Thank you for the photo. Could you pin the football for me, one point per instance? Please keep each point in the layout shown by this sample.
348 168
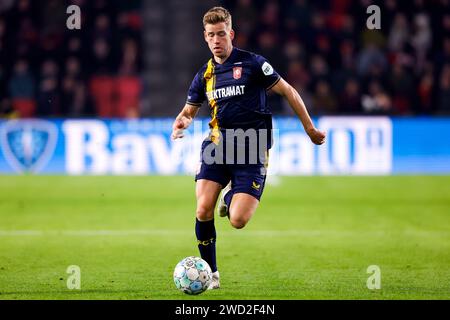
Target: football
192 275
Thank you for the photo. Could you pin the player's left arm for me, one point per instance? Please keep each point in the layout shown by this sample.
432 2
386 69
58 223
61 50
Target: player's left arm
295 101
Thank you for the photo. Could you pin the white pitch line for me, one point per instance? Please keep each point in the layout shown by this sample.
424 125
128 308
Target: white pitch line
260 233
83 233
153 232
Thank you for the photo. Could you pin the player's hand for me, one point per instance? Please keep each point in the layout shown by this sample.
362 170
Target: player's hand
316 136
178 128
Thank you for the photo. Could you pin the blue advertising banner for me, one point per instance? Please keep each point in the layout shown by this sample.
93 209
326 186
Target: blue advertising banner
354 146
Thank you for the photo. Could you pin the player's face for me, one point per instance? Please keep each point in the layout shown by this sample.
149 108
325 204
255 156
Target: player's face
219 37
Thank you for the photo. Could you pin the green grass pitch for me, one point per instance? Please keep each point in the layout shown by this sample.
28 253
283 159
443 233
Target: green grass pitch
311 238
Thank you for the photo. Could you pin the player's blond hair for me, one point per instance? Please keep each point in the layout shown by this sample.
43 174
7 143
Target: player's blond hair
217 15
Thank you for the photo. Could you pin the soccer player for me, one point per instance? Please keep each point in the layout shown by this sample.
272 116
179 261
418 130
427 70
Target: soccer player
235 83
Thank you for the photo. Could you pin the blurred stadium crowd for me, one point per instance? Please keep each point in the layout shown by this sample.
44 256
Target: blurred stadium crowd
323 48
339 66
48 70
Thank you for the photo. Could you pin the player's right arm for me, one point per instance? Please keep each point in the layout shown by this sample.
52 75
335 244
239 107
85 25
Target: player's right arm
183 120
195 98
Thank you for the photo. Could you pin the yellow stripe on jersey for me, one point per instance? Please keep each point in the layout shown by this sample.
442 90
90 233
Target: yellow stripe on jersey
210 79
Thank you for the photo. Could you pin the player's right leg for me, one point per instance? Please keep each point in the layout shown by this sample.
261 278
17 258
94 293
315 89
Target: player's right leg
207 192
210 178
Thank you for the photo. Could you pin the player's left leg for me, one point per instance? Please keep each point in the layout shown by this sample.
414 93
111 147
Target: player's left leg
241 198
242 208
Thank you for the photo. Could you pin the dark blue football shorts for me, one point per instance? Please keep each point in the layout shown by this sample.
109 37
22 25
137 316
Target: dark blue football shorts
245 178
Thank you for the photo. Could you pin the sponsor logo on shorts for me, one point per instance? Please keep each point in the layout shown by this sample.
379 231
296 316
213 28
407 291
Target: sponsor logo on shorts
256 186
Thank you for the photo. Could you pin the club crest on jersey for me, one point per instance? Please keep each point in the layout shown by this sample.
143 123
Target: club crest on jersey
28 144
237 72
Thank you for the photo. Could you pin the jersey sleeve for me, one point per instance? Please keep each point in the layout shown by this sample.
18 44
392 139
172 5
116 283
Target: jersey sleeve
196 93
266 74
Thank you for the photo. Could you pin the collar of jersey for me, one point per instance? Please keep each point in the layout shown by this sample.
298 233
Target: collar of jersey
230 59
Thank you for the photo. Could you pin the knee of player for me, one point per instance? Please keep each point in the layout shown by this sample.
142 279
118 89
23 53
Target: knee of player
204 213
238 223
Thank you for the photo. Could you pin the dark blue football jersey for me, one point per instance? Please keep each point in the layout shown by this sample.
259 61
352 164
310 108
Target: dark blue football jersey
235 91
